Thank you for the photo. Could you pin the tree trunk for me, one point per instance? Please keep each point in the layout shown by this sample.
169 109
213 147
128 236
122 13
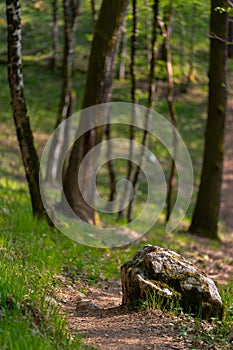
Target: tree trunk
165 29
182 35
19 108
206 213
110 165
123 53
136 176
98 90
93 12
71 10
54 35
230 37
133 100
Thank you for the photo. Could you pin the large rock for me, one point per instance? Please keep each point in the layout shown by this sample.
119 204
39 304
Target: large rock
165 275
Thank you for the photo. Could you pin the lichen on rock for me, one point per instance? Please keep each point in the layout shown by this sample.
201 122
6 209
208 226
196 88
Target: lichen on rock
164 273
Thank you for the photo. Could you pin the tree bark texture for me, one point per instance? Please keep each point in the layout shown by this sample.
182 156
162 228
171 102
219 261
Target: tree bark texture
19 108
136 175
71 9
97 90
206 213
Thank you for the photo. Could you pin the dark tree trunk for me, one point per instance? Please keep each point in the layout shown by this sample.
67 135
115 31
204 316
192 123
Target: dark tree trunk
71 10
121 212
19 108
230 37
54 34
181 49
110 165
136 176
98 90
165 29
93 12
206 213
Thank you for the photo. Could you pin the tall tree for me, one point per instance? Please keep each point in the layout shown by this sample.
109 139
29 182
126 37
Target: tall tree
54 34
166 32
97 90
133 100
206 213
137 173
19 108
71 10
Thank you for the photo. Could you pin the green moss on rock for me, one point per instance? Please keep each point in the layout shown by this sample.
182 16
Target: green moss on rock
164 273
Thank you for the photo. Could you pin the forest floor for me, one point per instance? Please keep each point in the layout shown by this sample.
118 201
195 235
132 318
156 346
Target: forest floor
107 325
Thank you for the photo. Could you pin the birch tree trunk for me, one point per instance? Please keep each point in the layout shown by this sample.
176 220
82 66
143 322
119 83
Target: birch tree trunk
19 108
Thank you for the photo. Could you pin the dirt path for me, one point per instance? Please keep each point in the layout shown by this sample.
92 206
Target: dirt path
106 325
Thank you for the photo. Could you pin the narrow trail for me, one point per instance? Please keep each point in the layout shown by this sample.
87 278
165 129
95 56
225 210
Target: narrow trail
106 325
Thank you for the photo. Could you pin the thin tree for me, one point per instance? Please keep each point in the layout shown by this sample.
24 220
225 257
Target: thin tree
123 52
136 175
19 108
166 32
71 9
98 90
93 12
230 36
133 100
206 212
110 164
54 34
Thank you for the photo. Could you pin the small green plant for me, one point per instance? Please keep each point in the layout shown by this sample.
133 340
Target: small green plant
215 331
157 301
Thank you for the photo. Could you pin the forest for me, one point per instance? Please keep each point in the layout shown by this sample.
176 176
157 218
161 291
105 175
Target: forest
116 134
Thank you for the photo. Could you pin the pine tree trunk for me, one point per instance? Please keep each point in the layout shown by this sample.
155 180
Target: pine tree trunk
98 90
206 213
19 108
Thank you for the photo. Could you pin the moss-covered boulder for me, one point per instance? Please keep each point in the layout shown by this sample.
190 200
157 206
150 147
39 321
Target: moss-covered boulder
166 276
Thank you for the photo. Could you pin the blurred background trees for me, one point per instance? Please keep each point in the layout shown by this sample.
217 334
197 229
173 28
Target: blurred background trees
159 47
